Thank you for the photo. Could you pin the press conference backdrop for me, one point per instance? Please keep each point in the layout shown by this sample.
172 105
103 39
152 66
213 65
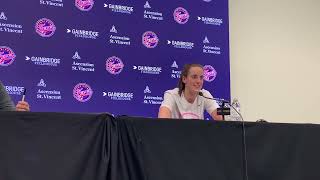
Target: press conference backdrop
114 56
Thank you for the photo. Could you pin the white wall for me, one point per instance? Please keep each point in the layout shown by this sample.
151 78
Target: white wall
275 59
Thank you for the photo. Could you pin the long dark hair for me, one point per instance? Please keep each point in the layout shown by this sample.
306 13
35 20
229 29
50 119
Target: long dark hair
185 73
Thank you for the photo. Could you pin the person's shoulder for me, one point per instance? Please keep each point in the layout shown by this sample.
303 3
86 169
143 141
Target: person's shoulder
173 92
205 92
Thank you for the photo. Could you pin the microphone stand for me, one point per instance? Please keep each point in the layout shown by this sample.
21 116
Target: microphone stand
244 144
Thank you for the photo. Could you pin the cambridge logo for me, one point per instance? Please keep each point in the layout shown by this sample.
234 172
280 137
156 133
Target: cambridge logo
181 15
114 65
150 39
209 73
84 5
82 92
7 56
45 27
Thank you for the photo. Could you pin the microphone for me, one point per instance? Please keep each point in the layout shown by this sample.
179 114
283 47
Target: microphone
216 99
226 111
221 110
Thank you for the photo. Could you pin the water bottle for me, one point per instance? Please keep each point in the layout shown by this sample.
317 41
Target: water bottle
234 115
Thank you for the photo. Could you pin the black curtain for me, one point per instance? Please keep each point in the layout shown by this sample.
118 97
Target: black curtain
52 146
64 146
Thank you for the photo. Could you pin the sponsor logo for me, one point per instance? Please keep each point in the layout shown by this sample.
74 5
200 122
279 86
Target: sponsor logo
119 8
114 65
209 73
7 56
206 40
76 55
147 90
55 3
9 28
147 5
153 15
41 83
175 74
207 49
81 66
119 96
43 61
120 40
3 16
174 65
82 92
181 44
14 90
181 15
210 20
113 29
45 27
47 94
83 33
149 99
84 5
150 39
148 69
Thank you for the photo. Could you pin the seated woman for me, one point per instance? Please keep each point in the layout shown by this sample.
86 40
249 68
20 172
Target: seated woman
184 102
7 105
